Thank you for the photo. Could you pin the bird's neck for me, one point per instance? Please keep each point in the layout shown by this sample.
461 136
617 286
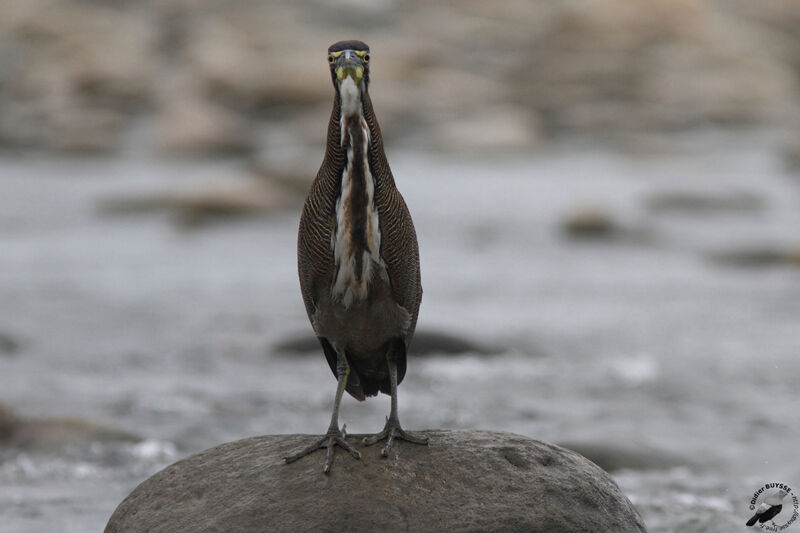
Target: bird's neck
356 241
350 96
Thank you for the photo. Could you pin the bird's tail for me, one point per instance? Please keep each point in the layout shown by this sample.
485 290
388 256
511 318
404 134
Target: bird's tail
753 520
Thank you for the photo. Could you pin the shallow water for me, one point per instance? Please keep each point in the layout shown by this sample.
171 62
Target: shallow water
137 323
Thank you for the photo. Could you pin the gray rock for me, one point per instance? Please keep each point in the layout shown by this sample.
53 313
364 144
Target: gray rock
8 423
595 223
791 156
463 481
8 344
590 222
58 434
55 434
226 199
705 203
758 257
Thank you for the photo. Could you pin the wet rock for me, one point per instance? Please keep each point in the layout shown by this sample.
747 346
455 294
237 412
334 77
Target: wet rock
201 205
791 156
462 481
249 58
758 257
74 72
613 457
8 344
705 203
55 434
8 424
425 343
59 433
597 223
590 222
85 130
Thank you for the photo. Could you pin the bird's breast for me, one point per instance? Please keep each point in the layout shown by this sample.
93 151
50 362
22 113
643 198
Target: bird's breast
356 241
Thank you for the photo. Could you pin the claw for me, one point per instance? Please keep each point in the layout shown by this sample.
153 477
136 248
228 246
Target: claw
331 439
390 432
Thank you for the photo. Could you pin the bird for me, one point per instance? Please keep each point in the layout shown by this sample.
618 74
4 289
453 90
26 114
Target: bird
358 258
769 508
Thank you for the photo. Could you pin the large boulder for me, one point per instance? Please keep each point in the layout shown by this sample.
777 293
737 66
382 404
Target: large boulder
462 481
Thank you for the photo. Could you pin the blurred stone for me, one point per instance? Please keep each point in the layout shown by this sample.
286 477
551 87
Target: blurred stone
495 128
426 343
190 126
615 457
700 202
758 257
791 156
104 54
59 433
490 78
462 481
55 434
8 424
615 65
597 223
249 58
84 130
204 204
75 71
590 222
8 344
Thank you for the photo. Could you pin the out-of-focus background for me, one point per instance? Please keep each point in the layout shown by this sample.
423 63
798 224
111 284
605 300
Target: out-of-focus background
606 193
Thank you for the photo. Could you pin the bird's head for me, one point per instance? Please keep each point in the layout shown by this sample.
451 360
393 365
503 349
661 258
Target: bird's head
349 62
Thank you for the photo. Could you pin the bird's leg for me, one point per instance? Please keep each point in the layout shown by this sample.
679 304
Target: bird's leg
392 429
334 436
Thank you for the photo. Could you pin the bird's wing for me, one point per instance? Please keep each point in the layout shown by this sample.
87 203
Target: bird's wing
770 513
315 261
762 508
400 252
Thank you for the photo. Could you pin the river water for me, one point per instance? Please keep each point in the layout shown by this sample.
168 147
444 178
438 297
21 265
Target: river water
639 342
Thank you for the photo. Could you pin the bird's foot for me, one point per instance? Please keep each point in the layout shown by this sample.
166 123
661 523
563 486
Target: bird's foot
334 437
392 431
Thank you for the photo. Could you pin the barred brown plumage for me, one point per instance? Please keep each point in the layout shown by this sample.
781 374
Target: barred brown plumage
365 323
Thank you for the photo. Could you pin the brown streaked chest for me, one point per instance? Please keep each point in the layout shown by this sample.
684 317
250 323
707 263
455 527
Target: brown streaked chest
356 240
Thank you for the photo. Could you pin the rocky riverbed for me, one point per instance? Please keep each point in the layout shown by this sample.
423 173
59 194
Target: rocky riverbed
239 76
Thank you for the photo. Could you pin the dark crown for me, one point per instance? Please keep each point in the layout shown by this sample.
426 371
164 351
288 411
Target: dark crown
348 45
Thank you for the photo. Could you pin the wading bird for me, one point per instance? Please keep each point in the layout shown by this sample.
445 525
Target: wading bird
358 257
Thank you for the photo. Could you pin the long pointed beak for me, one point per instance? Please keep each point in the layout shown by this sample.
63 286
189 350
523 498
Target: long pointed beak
349 64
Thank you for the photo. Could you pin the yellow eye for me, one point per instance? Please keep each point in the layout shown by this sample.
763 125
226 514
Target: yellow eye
330 59
366 58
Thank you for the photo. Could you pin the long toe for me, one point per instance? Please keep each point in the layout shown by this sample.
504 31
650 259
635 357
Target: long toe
307 450
376 438
328 442
414 438
398 433
393 432
348 447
